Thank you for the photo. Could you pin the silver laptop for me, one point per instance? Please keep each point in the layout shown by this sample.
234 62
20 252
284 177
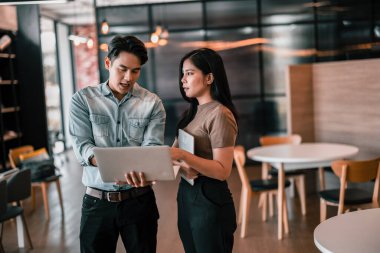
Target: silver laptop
154 161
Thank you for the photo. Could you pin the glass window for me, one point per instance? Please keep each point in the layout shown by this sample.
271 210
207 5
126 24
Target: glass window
52 87
125 19
174 109
178 16
288 44
376 45
329 42
167 60
286 12
231 13
249 121
239 50
347 39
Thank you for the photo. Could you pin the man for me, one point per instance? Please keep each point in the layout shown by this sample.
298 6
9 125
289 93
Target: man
117 113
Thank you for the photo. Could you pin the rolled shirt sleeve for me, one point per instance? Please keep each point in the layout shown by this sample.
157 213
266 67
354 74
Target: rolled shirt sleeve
81 130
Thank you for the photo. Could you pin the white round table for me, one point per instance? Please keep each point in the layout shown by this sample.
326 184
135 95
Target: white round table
354 232
301 156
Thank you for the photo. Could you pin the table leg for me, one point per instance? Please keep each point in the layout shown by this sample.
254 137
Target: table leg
264 170
280 199
20 232
264 196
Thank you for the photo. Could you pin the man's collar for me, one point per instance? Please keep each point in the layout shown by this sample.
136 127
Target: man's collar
136 90
104 89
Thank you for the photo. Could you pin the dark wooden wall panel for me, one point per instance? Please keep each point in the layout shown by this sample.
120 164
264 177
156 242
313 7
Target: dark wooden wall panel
30 73
300 101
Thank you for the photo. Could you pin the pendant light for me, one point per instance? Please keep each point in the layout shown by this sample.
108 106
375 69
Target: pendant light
104 27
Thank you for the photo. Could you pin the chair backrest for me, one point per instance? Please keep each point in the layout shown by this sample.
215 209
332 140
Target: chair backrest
239 158
273 140
3 196
39 154
19 186
14 154
357 171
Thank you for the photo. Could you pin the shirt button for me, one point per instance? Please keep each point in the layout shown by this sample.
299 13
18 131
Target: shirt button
118 140
118 122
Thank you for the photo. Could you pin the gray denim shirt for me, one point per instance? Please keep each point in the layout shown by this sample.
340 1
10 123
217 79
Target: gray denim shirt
97 118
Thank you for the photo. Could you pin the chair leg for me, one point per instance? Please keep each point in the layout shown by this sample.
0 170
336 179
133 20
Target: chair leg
58 184
246 205
241 206
33 197
270 200
1 234
300 184
44 187
285 219
26 230
263 196
261 200
1 248
291 189
323 210
1 239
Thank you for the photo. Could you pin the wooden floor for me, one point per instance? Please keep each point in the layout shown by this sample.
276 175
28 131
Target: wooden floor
61 233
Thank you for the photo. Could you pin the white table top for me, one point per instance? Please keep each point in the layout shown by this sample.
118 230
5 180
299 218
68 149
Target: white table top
350 233
304 155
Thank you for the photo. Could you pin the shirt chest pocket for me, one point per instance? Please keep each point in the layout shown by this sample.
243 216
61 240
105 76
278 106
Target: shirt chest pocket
136 129
100 125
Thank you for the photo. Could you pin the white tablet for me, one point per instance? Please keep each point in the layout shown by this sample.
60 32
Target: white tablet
154 161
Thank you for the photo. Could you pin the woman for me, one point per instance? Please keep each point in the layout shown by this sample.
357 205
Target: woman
206 213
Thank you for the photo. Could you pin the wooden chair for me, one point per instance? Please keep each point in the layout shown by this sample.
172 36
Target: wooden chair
296 177
17 155
43 184
347 198
14 154
16 189
250 187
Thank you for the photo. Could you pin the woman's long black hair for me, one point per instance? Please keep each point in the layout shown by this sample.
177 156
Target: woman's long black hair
208 61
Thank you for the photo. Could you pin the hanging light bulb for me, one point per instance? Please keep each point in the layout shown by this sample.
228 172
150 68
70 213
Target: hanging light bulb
104 47
90 43
154 38
104 27
160 36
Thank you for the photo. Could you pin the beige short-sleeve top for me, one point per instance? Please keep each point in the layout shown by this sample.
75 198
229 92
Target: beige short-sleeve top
213 126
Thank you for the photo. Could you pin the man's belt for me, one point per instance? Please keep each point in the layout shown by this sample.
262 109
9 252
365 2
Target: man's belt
118 196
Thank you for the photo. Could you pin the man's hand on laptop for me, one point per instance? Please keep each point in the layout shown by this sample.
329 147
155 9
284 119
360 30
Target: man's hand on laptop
93 161
137 179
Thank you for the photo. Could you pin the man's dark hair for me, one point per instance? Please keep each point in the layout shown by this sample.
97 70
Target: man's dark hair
129 44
